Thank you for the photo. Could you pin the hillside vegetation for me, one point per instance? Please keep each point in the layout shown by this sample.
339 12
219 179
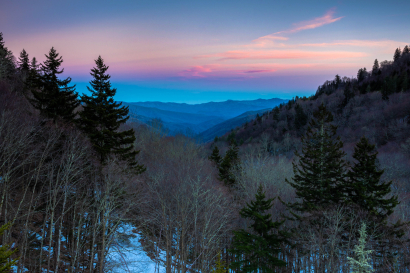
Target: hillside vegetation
316 184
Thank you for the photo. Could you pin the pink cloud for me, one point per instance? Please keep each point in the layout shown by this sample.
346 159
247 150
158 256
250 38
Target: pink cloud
315 23
359 43
286 54
198 71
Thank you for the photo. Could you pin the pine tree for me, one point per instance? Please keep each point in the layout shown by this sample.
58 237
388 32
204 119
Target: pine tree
257 250
7 60
365 189
220 266
376 68
319 176
362 262
406 50
229 164
215 156
337 81
24 65
5 253
300 117
276 112
24 61
102 116
397 54
52 96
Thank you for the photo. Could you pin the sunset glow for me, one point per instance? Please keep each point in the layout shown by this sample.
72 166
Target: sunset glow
190 51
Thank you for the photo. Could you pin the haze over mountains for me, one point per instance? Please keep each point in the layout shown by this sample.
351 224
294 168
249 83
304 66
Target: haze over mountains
206 119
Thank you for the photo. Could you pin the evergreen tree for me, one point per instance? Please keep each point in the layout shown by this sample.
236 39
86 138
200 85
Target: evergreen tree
257 250
229 164
397 54
24 61
102 116
300 117
5 253
33 75
215 156
337 81
220 266
7 61
406 50
385 90
52 96
319 176
24 65
362 262
348 93
376 68
365 189
276 112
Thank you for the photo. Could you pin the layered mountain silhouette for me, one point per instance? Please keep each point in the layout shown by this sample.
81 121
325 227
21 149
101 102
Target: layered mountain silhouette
206 120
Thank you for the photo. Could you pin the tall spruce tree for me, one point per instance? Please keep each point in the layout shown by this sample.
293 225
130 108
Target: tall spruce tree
52 96
215 156
101 119
24 65
319 175
397 54
376 68
366 190
229 164
7 60
257 249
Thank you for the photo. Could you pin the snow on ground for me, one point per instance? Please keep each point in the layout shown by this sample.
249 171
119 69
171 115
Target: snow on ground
130 257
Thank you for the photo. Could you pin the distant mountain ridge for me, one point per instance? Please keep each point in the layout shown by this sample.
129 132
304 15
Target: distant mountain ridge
198 118
225 109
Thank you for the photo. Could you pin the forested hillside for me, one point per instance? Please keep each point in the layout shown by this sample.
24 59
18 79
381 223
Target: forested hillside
318 184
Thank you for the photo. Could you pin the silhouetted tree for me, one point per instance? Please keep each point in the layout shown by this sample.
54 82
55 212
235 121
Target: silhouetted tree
397 55
256 249
215 156
229 164
101 119
52 96
376 68
366 189
319 175
7 61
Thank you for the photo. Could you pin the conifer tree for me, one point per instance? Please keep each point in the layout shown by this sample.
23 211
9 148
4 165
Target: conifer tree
24 65
101 119
7 60
215 156
366 189
257 249
362 262
319 176
5 253
406 50
220 266
229 164
397 54
376 68
276 112
385 90
52 96
24 61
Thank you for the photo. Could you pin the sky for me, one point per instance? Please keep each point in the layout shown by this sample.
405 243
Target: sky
198 51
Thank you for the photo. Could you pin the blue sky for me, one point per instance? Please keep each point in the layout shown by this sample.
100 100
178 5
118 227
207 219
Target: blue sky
198 51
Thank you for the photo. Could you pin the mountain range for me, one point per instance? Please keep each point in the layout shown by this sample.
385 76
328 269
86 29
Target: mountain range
206 120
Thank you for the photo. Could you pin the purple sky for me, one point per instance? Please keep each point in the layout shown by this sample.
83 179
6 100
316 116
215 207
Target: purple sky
199 51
